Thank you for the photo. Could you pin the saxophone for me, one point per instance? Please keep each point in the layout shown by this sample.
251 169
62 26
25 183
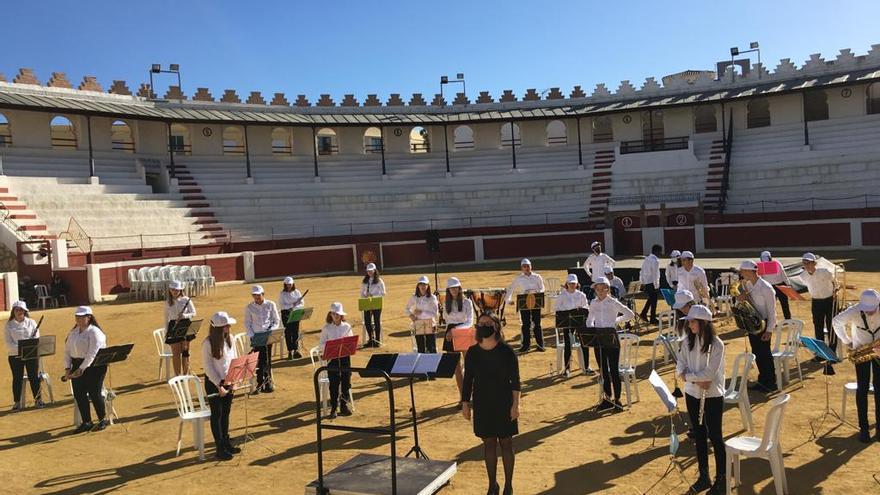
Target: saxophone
744 312
862 354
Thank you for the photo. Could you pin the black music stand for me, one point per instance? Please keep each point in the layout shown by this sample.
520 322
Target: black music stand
263 339
183 330
36 348
572 319
106 357
600 338
522 301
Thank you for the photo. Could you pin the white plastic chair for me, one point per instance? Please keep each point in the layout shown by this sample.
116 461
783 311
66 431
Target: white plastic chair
666 332
210 281
629 350
195 411
767 447
164 352
553 288
134 283
850 389
723 299
324 381
143 277
45 385
43 296
157 285
736 392
785 347
576 349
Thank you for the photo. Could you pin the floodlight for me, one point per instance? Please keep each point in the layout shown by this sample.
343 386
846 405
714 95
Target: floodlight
156 68
174 67
734 51
460 75
753 45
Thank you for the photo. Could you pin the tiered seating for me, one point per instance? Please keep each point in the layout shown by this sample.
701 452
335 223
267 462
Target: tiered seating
112 168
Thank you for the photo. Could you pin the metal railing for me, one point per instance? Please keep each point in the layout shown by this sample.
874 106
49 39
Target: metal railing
638 199
423 147
5 217
647 146
858 201
60 142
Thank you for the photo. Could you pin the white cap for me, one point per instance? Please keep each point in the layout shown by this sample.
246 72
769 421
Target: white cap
748 265
20 305
452 282
698 312
675 253
869 300
176 285
83 311
808 257
424 280
765 256
601 280
687 255
683 297
571 279
609 269
594 244
288 281
525 261
371 267
337 308
257 289
221 319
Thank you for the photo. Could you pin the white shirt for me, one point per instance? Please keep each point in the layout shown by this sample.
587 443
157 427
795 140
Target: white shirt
820 284
83 345
650 271
778 278
693 363
333 332
372 290
596 263
16 331
604 313
422 307
464 317
764 300
617 283
566 301
216 369
858 335
291 300
672 275
690 280
525 284
260 318
182 303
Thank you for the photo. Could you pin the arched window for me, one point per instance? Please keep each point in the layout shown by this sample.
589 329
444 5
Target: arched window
557 135
510 135
233 141
121 137
373 140
63 133
873 98
602 130
758 113
463 138
179 141
815 105
704 119
652 125
281 142
327 142
418 140
5 132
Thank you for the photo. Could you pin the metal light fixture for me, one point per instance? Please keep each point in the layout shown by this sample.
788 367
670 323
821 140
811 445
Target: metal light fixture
753 45
157 69
734 51
459 78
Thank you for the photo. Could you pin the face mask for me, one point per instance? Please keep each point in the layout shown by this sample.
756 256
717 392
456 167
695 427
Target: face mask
485 331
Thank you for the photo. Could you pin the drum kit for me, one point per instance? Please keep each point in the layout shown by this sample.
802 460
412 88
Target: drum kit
489 299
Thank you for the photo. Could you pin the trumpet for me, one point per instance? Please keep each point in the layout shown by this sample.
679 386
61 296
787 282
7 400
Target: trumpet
703 393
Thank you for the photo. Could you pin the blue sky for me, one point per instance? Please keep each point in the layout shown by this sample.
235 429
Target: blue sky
403 47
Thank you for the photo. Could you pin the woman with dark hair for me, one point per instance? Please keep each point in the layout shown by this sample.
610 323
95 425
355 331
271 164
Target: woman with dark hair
701 367
21 327
217 354
491 380
422 308
608 312
373 286
290 299
80 348
459 314
179 310
336 328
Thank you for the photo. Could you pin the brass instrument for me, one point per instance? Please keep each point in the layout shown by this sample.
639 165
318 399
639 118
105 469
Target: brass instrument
747 317
863 354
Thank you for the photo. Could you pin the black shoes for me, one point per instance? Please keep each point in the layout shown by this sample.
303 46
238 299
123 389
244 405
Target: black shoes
84 427
864 436
605 406
223 455
104 423
508 490
344 410
297 355
701 485
719 487
539 348
231 448
523 350
268 388
332 414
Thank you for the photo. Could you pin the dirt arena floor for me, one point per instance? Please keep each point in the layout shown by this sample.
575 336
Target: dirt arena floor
563 447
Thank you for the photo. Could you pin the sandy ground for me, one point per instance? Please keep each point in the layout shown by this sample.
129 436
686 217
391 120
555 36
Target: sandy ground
563 447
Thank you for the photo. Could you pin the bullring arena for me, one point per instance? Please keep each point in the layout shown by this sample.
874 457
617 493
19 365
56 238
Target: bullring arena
104 188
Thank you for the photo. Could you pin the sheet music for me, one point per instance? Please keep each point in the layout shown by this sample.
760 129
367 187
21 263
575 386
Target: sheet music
662 390
427 363
405 364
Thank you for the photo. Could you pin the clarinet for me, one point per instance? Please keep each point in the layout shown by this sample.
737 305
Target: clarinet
703 393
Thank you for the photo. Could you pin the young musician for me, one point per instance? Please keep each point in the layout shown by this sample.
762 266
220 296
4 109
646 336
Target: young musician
261 316
597 261
700 367
618 289
21 327
290 299
569 299
684 301
693 278
528 282
179 310
80 349
821 286
763 298
672 269
649 277
217 354
863 320
459 314
777 279
422 308
608 312
491 381
336 328
373 286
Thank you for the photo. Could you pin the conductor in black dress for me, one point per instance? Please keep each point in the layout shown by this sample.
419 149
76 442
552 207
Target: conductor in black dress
491 381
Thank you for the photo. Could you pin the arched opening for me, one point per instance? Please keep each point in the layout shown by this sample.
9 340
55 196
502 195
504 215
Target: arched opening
327 142
815 105
179 140
704 119
5 132
463 138
873 98
373 140
121 137
510 135
758 113
557 134
602 130
418 140
63 133
652 126
233 141
281 142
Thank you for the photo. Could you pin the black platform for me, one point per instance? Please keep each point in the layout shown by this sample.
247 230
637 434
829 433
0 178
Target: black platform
369 474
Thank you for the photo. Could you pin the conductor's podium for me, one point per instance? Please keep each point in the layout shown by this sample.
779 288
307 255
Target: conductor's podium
370 474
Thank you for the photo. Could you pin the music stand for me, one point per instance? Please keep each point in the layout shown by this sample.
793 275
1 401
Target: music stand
269 337
530 301
821 350
463 338
299 314
106 357
340 348
668 296
600 338
370 303
36 348
183 331
671 406
572 319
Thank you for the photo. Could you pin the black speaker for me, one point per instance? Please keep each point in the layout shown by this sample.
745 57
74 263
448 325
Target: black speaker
432 241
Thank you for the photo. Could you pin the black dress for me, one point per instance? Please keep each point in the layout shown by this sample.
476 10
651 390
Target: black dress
491 377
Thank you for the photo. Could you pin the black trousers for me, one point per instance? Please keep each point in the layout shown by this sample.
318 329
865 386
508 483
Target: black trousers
764 360
864 378
291 331
783 301
568 336
531 322
427 343
339 380
373 324
220 410
609 362
822 310
711 430
87 388
264 364
651 303
33 371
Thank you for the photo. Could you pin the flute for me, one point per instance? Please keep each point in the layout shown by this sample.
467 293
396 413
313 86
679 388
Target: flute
703 393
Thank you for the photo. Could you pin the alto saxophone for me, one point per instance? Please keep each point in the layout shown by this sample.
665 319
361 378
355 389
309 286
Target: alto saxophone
862 354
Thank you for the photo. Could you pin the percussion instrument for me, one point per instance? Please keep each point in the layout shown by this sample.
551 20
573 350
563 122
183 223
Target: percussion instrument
489 299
